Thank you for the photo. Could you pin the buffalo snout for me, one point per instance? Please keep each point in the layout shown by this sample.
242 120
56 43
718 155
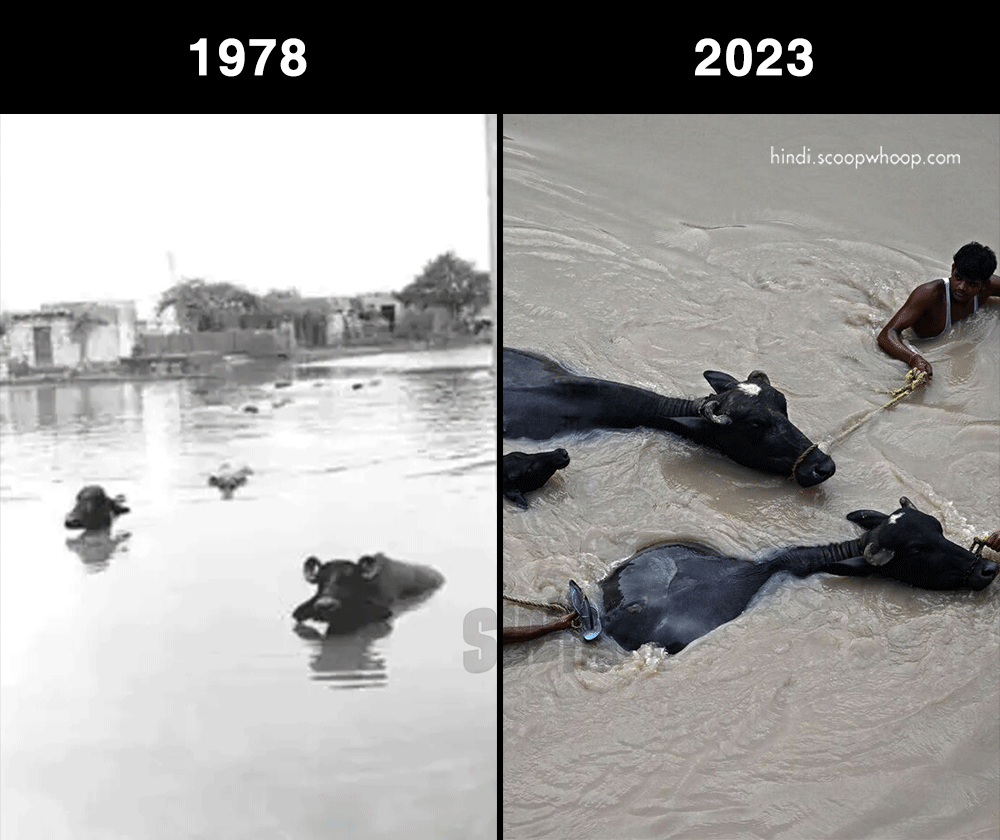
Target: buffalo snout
326 602
815 468
983 574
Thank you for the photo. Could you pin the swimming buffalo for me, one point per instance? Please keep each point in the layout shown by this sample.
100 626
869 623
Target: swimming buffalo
672 594
747 421
350 595
95 510
523 472
228 480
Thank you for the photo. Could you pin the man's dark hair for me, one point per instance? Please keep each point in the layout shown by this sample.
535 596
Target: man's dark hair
975 262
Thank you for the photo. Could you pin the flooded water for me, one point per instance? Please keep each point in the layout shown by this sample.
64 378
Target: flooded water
161 691
648 250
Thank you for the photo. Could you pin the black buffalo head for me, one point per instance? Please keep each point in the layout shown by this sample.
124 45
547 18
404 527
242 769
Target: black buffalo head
351 594
95 510
748 421
909 546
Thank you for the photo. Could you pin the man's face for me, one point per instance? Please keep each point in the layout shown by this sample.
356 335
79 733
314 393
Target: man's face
963 289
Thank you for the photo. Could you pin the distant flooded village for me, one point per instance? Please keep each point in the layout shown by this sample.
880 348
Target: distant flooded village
197 325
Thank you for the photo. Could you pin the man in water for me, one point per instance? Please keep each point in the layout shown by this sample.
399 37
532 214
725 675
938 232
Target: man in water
933 307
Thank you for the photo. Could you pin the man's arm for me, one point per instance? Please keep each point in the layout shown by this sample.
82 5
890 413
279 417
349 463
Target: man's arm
889 340
993 540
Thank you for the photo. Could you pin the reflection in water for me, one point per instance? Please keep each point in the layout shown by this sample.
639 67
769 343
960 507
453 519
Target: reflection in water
47 414
95 549
69 405
347 660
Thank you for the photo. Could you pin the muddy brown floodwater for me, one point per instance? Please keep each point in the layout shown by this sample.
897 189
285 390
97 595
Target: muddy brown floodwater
649 249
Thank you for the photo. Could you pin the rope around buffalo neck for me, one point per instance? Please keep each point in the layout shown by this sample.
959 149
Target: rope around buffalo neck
914 379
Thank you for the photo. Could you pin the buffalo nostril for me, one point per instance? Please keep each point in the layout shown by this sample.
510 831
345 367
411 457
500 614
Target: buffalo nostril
989 569
826 469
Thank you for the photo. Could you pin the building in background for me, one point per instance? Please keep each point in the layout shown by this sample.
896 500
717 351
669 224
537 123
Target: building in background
70 335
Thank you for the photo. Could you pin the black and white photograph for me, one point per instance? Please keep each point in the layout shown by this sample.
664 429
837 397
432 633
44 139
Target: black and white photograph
248 468
751 476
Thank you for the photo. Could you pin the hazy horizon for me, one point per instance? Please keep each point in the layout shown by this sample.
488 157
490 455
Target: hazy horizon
331 205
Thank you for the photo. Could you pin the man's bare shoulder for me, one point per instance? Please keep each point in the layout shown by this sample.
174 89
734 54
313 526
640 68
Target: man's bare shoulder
925 295
930 290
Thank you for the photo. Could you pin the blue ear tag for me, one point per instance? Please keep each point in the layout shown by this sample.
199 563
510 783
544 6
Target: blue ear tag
590 621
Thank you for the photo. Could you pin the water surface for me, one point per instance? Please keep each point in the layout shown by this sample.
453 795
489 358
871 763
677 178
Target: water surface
649 249
161 691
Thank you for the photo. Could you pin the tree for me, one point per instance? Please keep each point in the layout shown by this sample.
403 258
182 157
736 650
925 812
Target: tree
199 305
449 281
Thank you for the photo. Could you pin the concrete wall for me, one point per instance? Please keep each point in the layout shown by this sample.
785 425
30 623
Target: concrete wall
336 327
251 342
99 343
65 351
102 342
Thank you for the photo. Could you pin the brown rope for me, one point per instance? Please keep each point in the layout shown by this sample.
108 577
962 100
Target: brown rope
524 602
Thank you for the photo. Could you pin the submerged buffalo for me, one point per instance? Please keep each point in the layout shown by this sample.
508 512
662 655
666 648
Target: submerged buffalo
524 472
351 595
672 594
228 480
747 421
93 514
95 510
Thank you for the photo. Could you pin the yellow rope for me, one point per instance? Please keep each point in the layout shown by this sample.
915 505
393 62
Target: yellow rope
914 379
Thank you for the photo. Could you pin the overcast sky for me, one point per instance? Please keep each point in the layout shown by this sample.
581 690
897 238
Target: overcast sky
332 205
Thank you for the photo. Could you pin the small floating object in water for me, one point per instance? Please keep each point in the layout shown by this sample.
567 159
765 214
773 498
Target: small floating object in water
281 402
590 621
227 479
284 383
250 408
357 385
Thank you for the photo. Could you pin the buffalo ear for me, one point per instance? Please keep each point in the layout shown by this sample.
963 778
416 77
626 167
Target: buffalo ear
867 519
720 381
758 377
369 566
310 569
906 503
